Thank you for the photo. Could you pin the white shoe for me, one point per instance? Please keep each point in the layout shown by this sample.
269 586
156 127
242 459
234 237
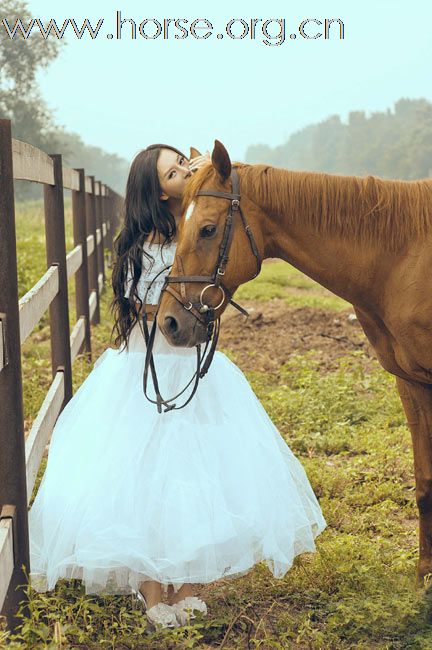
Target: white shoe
160 615
184 608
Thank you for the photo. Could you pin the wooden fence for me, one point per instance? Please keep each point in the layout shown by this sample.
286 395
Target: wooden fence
95 211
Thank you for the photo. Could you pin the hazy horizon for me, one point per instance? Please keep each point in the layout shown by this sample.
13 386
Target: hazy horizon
121 95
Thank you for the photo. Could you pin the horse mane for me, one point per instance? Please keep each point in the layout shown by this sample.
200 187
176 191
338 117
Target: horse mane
388 213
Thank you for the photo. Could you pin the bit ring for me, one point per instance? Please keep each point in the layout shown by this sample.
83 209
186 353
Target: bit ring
208 287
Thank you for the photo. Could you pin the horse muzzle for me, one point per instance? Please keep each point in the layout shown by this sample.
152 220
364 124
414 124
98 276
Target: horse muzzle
181 328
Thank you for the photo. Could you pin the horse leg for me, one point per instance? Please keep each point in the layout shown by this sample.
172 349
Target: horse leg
381 340
417 402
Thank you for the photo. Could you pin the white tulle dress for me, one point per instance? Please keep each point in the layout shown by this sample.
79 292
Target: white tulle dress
193 495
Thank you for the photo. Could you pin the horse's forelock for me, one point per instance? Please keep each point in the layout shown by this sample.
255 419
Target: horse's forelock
197 180
194 183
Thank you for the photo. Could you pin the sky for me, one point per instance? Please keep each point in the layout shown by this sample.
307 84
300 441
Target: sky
123 94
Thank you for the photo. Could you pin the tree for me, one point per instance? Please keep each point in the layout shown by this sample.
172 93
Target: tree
111 168
32 121
388 144
20 60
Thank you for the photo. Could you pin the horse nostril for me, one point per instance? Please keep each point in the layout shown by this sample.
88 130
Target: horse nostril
171 324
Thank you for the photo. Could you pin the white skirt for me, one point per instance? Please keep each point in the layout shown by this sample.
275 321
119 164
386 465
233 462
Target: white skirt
186 496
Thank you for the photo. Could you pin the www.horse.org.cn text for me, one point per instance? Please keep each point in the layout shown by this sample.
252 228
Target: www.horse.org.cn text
269 31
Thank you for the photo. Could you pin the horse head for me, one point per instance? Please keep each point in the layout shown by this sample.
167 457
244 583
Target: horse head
218 249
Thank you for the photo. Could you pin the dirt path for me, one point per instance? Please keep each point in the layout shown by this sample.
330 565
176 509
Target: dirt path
274 331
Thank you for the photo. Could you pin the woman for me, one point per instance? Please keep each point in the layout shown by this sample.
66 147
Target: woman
137 501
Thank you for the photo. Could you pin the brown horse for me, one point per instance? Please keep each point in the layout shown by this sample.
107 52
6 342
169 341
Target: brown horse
367 240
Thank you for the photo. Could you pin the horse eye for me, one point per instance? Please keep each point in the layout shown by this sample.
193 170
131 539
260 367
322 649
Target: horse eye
207 231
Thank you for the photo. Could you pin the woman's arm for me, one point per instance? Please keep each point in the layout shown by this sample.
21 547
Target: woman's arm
198 161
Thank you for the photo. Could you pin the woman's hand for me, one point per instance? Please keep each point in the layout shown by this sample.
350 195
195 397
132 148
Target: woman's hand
199 161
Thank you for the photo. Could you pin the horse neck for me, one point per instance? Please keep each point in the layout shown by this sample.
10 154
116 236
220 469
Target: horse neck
291 230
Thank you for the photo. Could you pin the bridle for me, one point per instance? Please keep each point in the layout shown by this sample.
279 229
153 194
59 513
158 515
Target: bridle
201 310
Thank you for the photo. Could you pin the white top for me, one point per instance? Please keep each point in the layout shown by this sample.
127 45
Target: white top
162 257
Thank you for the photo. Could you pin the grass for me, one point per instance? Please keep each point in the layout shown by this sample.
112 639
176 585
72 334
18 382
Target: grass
358 591
31 241
280 280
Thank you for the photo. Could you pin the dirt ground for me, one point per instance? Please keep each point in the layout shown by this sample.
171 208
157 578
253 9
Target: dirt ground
275 330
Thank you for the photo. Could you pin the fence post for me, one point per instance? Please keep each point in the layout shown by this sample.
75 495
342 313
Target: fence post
114 213
101 247
104 220
112 219
93 265
82 292
109 210
118 206
13 488
56 254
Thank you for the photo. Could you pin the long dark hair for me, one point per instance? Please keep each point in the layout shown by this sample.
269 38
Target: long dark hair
144 214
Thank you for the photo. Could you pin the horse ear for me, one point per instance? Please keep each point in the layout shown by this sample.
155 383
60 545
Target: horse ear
194 152
221 160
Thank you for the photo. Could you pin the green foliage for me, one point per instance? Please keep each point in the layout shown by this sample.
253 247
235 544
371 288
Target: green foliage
111 168
387 144
32 121
20 100
20 61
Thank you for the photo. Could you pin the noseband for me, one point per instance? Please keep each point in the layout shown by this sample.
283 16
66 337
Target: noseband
202 311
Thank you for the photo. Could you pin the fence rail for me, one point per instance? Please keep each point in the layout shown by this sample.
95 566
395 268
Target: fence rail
95 212
34 304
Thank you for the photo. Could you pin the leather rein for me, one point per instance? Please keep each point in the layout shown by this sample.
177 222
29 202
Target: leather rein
201 310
